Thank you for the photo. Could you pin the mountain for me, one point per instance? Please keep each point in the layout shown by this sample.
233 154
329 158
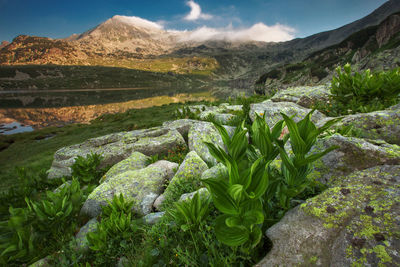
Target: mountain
375 47
132 42
328 38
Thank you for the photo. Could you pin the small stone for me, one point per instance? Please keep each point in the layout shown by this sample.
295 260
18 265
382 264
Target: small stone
358 242
330 209
369 210
379 237
345 191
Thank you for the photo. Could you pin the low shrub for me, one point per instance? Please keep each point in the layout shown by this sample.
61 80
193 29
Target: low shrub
86 169
362 92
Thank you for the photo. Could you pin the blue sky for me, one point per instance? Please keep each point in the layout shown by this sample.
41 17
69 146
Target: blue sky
295 18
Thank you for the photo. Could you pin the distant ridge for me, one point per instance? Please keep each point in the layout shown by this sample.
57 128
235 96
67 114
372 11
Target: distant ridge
328 38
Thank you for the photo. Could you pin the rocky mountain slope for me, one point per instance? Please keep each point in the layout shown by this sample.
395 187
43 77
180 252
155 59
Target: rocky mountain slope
376 47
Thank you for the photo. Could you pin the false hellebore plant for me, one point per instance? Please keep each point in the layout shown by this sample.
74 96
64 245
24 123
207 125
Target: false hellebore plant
244 193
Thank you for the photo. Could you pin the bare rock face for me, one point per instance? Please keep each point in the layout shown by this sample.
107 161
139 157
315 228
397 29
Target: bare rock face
388 29
353 223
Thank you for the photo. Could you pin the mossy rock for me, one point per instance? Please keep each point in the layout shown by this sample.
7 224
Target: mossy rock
135 162
351 155
189 173
82 244
273 112
205 132
117 147
140 186
384 124
353 223
304 96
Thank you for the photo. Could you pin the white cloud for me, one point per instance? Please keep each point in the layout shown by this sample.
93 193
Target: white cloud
257 32
195 12
136 21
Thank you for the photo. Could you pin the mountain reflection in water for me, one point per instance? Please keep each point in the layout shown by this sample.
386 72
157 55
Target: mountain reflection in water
43 117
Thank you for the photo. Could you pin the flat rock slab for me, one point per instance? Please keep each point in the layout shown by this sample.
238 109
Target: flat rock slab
353 223
140 186
117 147
383 124
353 154
273 111
305 96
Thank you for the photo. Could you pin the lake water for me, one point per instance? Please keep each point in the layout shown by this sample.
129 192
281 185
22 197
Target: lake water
72 107
14 127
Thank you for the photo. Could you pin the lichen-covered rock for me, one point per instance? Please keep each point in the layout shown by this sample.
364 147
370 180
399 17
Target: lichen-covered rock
216 171
82 244
384 124
136 161
141 186
117 147
353 154
206 132
45 262
304 96
189 171
182 126
353 223
202 192
273 111
153 218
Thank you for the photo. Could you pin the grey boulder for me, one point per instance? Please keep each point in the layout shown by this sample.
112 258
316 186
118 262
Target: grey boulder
141 186
353 223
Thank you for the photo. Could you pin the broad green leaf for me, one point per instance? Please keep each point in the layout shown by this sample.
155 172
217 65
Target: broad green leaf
231 236
221 199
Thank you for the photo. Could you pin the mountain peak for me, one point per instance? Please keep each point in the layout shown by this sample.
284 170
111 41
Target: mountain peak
136 21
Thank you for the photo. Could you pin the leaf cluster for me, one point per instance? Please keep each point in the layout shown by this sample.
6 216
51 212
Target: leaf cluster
364 91
247 195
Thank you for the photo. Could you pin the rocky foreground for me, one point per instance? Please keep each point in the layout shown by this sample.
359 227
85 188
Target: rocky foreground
355 222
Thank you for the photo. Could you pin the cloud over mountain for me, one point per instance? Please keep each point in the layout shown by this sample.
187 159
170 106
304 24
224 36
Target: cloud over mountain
257 32
195 12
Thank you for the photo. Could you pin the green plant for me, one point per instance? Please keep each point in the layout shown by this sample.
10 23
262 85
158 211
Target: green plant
41 227
296 167
17 238
86 169
244 196
186 113
116 232
238 196
57 213
364 91
153 159
190 213
176 155
117 205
